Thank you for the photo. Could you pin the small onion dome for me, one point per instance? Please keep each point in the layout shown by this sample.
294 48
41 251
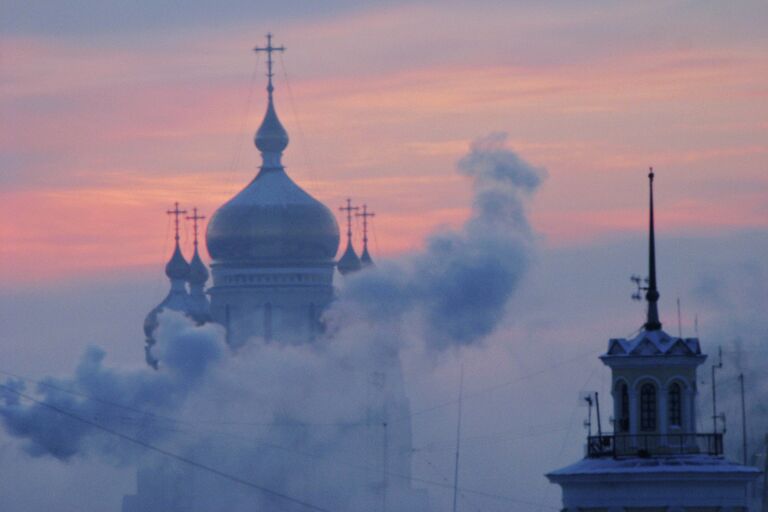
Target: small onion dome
177 267
349 261
271 136
198 272
365 259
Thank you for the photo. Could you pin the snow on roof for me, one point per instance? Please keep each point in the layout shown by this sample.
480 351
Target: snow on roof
653 343
667 464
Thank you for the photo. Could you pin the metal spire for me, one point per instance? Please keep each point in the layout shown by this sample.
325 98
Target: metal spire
269 49
349 209
194 218
176 212
366 257
652 294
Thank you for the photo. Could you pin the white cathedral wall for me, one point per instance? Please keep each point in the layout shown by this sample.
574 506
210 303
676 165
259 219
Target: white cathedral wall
294 316
630 490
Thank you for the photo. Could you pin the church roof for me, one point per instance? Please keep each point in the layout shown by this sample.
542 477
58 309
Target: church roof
349 262
680 464
198 272
272 221
653 343
177 267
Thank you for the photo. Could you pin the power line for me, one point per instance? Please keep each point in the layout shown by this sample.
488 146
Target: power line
399 418
496 386
166 453
248 483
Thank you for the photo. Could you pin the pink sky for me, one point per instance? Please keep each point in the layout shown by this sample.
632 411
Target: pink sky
103 132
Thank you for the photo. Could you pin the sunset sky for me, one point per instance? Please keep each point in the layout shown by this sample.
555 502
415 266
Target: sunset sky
112 112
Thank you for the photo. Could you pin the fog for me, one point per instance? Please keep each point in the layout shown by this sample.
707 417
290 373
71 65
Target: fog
526 322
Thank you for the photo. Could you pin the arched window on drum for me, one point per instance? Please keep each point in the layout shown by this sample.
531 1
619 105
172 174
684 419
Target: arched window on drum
648 407
675 405
622 396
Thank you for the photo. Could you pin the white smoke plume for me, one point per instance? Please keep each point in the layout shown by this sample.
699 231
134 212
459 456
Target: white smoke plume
455 291
297 420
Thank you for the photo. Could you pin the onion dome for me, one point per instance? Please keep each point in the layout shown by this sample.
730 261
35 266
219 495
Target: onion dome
271 137
177 267
198 272
178 271
272 221
349 261
365 258
199 307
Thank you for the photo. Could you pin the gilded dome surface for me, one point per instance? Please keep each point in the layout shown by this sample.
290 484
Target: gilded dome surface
273 221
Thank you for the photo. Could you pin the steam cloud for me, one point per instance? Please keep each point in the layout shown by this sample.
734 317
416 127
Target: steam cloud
454 293
268 410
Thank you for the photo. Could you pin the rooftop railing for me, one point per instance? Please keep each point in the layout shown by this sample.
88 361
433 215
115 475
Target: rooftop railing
648 445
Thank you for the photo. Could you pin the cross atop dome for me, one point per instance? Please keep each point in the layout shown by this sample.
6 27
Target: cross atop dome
271 138
268 50
365 258
349 261
176 212
194 218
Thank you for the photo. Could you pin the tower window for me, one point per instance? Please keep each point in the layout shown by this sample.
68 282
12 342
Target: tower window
623 425
648 408
675 405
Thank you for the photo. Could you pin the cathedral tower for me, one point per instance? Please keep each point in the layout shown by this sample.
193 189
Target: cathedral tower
655 460
272 246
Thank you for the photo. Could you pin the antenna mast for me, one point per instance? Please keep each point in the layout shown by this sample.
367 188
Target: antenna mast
743 420
719 365
458 440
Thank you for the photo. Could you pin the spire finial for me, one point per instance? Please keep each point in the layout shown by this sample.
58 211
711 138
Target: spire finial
349 209
176 212
366 257
269 49
271 137
652 294
194 218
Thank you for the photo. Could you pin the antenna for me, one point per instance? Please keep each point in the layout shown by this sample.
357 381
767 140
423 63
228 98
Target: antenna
458 440
385 465
638 294
587 398
717 366
597 413
743 421
696 324
679 320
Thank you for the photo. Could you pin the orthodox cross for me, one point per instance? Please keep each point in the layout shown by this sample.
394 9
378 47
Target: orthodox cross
176 212
269 49
349 209
365 216
194 218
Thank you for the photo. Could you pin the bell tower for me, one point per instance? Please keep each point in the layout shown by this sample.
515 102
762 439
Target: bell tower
655 460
